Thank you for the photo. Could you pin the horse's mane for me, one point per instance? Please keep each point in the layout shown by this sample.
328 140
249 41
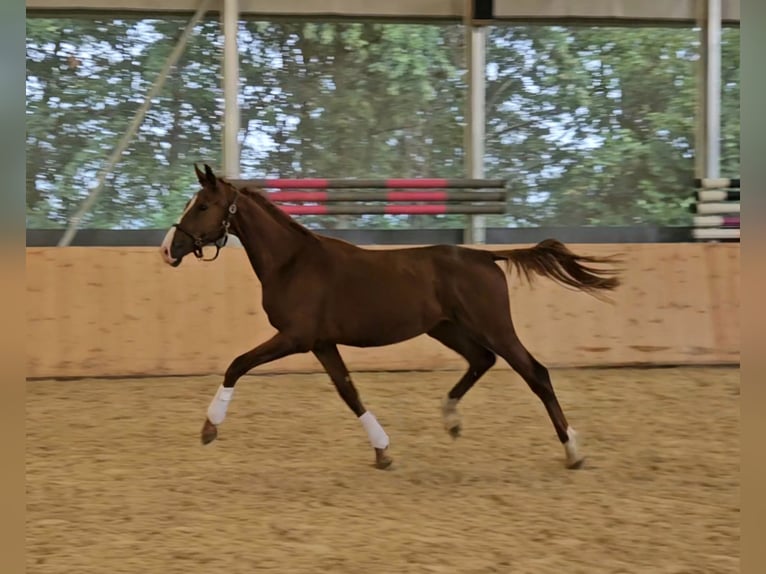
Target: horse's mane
274 211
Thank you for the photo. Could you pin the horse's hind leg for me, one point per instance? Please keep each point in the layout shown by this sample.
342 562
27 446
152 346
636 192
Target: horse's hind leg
480 360
538 379
488 319
332 362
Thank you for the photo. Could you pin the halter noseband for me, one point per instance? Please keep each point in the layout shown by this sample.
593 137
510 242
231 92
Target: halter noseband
219 243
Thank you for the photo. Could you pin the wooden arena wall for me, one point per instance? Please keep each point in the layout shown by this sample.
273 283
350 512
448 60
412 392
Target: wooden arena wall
100 311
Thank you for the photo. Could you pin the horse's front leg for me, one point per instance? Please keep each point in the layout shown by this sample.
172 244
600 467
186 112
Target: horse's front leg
332 362
277 347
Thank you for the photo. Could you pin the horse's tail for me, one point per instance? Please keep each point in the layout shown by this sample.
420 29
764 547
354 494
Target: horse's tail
551 258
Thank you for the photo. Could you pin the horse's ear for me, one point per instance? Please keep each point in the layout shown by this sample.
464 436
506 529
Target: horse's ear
212 180
200 175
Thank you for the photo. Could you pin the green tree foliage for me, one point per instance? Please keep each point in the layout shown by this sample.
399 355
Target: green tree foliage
353 100
85 81
591 125
595 126
730 102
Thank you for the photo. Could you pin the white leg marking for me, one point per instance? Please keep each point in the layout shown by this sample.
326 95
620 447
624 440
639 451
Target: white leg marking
449 413
167 242
378 437
571 448
216 412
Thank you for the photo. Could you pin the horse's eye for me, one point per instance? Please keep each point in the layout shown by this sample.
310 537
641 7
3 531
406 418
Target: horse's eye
202 206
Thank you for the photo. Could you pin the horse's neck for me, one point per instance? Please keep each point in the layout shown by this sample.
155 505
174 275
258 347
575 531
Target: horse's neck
268 242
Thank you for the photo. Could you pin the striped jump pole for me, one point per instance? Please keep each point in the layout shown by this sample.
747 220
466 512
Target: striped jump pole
436 193
716 234
392 196
723 221
393 209
391 183
716 208
703 195
716 183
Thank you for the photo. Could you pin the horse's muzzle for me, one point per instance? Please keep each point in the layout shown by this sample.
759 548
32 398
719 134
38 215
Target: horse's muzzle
167 258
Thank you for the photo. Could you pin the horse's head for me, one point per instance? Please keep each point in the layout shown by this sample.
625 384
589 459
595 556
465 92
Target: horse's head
204 221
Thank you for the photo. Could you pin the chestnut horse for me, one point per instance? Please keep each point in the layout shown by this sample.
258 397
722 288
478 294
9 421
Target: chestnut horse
320 292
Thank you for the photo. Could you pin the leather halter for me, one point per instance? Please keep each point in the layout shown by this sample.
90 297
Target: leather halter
219 243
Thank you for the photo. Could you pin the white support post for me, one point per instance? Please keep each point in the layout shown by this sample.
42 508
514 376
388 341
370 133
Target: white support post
700 118
476 40
231 120
713 90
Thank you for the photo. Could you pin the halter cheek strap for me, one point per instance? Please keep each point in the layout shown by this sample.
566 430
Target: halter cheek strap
219 243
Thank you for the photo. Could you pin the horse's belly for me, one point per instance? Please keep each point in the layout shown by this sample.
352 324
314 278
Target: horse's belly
381 320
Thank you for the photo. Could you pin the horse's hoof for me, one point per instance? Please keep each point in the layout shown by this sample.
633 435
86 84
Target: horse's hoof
382 459
576 465
451 417
209 432
573 457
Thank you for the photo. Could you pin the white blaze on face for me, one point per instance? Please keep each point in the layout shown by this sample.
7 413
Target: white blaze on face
168 241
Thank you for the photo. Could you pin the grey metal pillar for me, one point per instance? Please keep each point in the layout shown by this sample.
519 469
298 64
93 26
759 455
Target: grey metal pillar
476 42
231 120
